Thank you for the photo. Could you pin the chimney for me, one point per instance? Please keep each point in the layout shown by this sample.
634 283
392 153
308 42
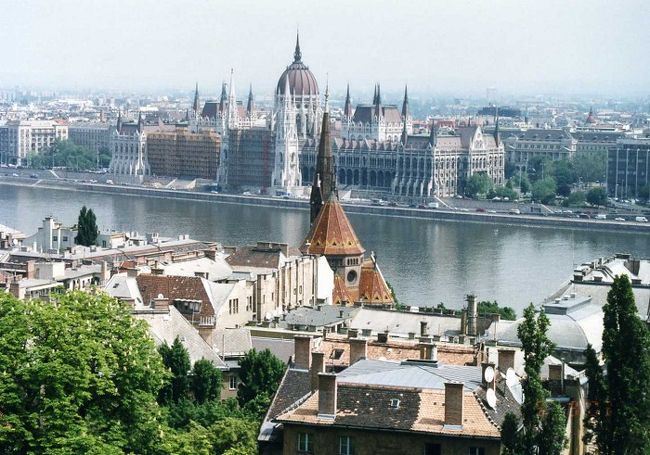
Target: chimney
353 333
428 351
358 349
382 337
210 254
30 267
506 359
132 273
453 403
472 315
555 372
317 367
423 328
327 396
161 303
302 352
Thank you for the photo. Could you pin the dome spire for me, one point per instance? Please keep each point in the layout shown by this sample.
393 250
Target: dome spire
405 104
297 55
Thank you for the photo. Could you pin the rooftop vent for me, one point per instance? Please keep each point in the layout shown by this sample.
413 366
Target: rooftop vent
394 403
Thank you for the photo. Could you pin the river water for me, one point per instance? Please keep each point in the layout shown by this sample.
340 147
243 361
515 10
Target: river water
427 262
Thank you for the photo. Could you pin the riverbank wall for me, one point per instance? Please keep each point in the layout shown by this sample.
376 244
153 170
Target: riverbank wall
375 210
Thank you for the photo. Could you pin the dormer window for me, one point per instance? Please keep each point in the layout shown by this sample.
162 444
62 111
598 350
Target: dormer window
394 403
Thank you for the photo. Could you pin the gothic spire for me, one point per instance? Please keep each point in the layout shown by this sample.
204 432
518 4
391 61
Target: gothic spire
497 137
324 186
433 135
405 104
297 55
251 104
195 104
374 97
378 94
347 109
327 94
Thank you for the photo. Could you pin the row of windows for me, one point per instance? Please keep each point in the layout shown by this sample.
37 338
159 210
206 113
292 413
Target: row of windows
346 446
233 306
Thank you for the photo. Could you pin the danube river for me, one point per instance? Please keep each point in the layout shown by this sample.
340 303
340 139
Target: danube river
427 262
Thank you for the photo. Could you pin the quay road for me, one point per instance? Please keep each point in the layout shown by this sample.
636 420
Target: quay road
442 214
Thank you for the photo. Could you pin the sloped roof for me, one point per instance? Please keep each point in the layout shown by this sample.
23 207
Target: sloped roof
372 286
332 234
340 293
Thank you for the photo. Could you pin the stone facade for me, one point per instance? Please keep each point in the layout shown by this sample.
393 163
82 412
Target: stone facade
19 139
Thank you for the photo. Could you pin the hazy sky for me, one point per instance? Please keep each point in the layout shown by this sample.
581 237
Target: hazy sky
517 46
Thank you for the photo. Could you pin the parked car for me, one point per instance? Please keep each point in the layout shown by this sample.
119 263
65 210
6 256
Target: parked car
600 216
619 218
641 219
514 211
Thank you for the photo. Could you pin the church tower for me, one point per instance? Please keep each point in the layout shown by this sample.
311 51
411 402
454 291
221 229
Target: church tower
286 172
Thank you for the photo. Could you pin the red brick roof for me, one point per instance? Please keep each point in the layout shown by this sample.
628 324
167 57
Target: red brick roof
332 234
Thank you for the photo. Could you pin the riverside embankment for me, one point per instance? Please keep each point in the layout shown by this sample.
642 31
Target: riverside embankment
378 210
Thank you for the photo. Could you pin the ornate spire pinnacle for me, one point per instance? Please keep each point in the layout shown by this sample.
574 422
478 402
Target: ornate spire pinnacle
433 135
327 93
347 109
324 185
405 104
195 104
405 135
497 138
378 94
374 97
297 55
251 104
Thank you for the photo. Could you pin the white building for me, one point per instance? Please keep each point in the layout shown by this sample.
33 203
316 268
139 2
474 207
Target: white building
19 139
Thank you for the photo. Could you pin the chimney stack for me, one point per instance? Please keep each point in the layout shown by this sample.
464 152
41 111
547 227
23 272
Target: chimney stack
317 367
453 403
428 351
472 315
327 396
161 303
423 328
358 349
302 352
506 359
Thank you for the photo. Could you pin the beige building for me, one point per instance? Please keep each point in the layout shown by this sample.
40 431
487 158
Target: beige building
25 137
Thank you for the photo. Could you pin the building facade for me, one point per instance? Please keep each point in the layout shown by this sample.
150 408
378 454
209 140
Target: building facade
552 144
628 168
92 136
184 154
19 139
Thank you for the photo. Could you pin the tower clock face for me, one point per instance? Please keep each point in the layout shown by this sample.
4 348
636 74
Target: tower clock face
352 276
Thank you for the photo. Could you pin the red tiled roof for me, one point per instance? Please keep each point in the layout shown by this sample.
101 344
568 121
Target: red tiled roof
332 234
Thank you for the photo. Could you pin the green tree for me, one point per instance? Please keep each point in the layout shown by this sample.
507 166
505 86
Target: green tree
478 183
532 333
504 191
104 157
487 307
235 436
177 360
597 196
564 175
206 381
596 419
575 199
260 373
552 437
79 375
87 231
65 154
644 192
626 352
544 190
590 166
521 181
510 434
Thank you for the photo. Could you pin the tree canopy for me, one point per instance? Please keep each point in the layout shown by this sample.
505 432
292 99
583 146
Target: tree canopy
478 183
80 375
87 231
544 190
69 155
597 196
260 374
506 313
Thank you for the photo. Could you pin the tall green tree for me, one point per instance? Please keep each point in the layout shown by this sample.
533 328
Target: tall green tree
532 333
87 231
544 190
626 352
260 373
552 437
206 381
79 375
510 434
177 360
596 419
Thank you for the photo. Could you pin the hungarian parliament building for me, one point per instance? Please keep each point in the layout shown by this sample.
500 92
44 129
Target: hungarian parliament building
373 145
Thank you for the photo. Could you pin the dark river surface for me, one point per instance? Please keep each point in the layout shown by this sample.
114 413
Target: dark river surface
426 261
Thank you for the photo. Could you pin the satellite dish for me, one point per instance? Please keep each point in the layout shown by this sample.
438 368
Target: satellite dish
491 398
511 377
488 374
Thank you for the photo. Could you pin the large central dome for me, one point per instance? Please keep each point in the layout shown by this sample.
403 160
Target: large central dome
301 80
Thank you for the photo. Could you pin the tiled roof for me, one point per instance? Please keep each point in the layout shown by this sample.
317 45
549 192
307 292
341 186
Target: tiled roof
372 286
332 233
295 385
252 256
340 293
369 407
175 287
366 113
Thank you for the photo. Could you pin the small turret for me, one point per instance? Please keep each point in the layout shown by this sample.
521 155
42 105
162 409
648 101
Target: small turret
405 104
195 104
250 106
433 135
347 109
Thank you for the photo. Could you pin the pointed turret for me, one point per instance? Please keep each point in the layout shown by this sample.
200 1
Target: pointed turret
223 100
405 104
378 94
297 55
324 185
347 109
140 123
378 108
433 135
405 136
497 137
119 121
195 104
374 96
250 106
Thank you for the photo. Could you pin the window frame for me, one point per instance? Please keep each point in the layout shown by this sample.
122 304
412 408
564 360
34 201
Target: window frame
305 443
